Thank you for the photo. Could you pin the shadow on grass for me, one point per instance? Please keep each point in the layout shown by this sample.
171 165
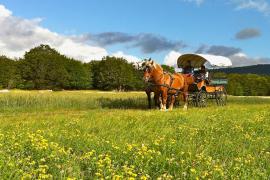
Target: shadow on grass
130 103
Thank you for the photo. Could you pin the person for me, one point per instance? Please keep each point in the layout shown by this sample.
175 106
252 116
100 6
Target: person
188 69
203 72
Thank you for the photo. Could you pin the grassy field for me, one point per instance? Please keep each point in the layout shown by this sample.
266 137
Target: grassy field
95 135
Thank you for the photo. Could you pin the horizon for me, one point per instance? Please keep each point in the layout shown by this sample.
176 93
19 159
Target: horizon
237 29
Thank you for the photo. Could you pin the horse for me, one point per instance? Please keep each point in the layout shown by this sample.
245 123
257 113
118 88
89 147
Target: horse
166 83
149 89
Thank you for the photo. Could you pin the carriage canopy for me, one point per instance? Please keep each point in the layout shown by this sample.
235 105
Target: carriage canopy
197 60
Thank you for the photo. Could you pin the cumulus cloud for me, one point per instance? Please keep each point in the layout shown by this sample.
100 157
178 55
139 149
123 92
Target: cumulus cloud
248 33
171 59
218 50
236 55
4 12
129 58
261 6
241 59
146 42
18 35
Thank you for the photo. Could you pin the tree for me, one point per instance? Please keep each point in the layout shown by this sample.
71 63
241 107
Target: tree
115 73
248 84
8 73
79 75
93 68
167 68
42 68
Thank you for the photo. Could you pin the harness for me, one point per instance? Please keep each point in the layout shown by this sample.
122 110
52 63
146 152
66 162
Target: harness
166 85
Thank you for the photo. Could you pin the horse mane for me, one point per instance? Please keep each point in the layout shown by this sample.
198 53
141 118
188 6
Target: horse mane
157 66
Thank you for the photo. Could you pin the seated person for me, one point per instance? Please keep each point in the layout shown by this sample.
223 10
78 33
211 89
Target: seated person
202 73
188 69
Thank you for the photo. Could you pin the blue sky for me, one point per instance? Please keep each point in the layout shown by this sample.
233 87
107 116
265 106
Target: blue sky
174 25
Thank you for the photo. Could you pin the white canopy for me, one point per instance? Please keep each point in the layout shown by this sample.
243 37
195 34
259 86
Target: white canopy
196 60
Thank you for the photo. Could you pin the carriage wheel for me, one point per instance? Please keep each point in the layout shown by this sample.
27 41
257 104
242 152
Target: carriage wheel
192 99
223 98
217 97
201 99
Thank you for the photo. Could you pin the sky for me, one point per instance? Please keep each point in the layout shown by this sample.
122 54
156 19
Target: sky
138 29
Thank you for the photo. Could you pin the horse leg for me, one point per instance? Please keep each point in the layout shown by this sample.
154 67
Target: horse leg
164 100
160 101
172 102
185 95
149 99
168 102
156 99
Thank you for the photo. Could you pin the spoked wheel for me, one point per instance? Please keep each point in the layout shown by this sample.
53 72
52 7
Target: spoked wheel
192 99
201 99
221 98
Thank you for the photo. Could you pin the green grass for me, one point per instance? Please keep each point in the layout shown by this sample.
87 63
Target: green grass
95 135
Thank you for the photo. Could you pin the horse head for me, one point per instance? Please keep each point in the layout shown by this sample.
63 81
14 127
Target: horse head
151 70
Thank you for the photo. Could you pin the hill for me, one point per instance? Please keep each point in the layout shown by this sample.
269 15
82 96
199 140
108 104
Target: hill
261 69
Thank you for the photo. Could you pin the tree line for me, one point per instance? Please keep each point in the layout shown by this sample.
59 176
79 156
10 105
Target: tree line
245 84
44 68
248 85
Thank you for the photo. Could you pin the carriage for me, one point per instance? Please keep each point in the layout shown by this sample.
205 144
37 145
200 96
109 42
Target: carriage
205 87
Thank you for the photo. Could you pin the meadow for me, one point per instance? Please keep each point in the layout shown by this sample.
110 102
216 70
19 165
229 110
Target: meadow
110 135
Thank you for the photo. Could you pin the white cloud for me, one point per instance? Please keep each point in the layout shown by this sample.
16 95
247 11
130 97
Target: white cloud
18 35
262 6
238 59
129 58
198 2
171 59
81 51
259 5
241 55
4 12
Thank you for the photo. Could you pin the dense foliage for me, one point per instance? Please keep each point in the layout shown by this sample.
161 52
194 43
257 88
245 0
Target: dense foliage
45 68
8 73
167 68
246 84
116 73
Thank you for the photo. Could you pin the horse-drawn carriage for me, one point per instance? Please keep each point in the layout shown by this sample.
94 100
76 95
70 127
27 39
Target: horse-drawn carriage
204 87
195 87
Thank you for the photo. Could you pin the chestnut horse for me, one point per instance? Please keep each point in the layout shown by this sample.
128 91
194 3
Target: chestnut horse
165 83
